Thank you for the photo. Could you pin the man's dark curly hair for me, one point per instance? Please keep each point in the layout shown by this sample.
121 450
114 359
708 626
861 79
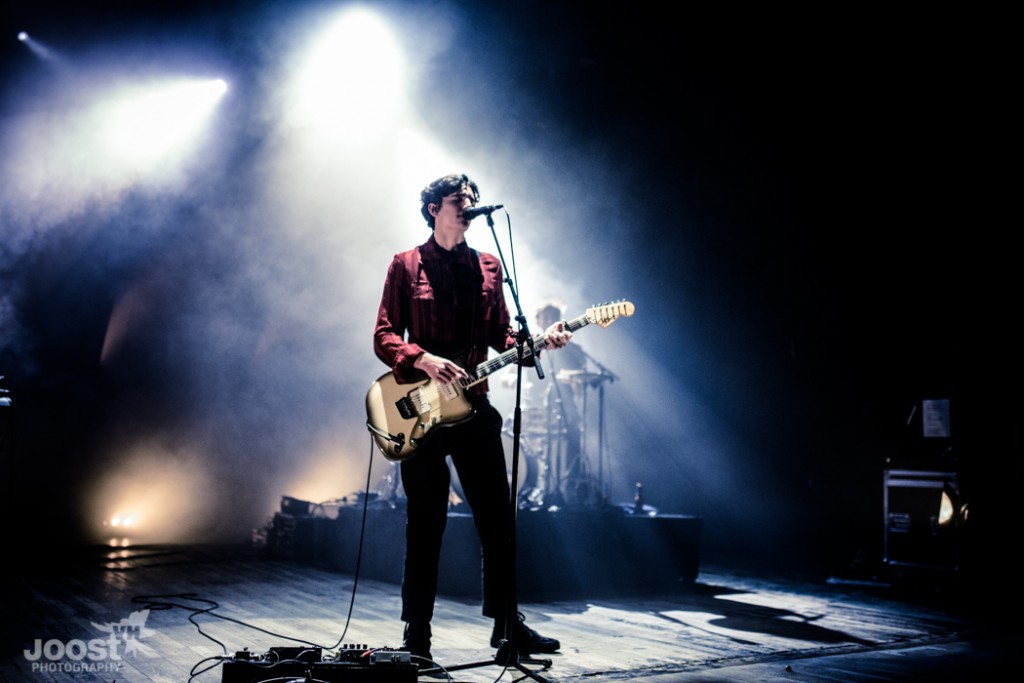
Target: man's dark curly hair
441 188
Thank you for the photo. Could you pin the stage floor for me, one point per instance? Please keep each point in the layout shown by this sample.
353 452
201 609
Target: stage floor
162 614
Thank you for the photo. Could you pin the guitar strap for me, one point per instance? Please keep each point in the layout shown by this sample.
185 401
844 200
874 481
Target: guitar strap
477 292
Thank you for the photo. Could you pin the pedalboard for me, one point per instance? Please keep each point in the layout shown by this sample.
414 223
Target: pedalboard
356 663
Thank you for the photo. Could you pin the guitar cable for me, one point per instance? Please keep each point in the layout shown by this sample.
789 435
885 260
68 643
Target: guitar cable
359 550
187 601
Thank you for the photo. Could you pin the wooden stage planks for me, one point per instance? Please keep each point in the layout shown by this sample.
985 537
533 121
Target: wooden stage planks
724 626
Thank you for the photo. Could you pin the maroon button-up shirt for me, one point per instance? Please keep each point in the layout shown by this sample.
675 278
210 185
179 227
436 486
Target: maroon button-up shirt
450 303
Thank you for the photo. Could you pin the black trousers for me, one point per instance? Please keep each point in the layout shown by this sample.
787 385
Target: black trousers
478 456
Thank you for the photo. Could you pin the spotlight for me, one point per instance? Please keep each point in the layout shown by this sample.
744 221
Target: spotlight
123 521
945 515
40 50
335 90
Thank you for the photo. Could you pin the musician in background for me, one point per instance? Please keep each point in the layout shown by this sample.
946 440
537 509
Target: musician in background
442 309
558 416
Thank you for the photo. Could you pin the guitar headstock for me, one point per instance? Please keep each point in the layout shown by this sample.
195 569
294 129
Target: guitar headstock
605 314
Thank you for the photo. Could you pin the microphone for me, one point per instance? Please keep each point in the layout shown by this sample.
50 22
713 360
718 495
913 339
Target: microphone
470 214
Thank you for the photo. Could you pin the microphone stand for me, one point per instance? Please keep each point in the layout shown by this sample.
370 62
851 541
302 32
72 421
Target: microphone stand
507 655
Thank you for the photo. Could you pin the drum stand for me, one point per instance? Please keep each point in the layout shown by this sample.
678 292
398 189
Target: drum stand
598 380
555 446
578 477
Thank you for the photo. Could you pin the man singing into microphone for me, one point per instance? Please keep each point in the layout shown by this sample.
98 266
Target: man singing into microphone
442 309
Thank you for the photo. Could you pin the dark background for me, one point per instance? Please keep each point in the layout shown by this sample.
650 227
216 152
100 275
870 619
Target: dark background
807 207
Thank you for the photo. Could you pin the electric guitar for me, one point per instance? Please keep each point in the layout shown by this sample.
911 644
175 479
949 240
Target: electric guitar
401 416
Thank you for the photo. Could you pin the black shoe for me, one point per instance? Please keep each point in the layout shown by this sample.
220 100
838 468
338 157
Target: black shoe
524 639
416 642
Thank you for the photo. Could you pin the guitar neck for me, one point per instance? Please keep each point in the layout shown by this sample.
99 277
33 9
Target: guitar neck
492 365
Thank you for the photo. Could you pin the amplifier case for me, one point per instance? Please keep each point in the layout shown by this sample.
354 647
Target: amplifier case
917 533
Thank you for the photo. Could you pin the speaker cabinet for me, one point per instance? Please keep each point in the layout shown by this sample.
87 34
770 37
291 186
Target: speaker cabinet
922 519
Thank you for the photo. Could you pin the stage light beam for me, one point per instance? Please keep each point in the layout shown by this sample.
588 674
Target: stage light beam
144 492
41 51
352 77
143 127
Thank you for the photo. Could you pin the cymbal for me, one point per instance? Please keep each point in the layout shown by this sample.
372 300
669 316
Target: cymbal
581 377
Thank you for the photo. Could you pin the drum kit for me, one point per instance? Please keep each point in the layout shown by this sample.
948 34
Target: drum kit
555 468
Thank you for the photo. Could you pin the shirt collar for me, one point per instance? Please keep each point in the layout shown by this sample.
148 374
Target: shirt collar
459 252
